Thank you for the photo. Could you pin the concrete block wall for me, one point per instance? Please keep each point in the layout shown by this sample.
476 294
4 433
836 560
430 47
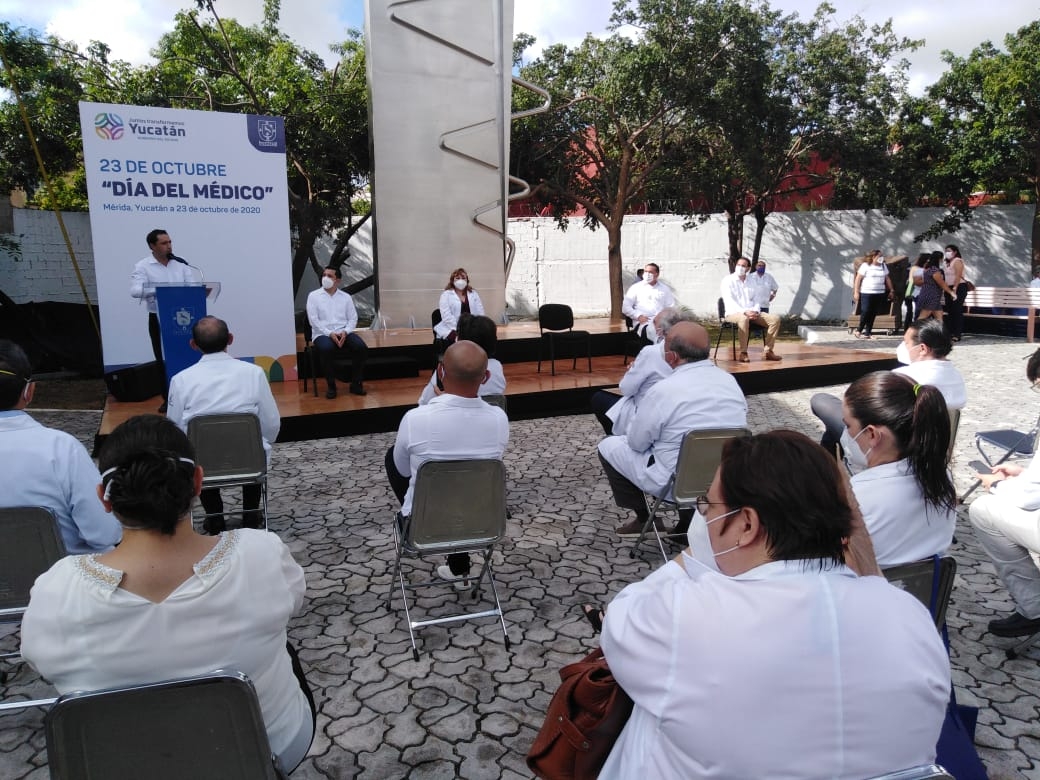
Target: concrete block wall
809 253
45 272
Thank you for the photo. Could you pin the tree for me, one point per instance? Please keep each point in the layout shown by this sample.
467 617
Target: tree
222 65
603 144
786 107
976 129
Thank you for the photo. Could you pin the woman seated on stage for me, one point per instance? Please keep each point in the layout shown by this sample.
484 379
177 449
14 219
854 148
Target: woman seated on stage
457 299
766 655
482 331
168 602
898 433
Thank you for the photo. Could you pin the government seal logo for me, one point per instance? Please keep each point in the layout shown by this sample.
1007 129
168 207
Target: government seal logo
108 126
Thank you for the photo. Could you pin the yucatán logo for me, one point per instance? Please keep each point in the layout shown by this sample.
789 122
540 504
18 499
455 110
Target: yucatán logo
108 126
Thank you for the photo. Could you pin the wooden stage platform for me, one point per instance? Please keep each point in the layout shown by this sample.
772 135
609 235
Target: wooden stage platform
529 393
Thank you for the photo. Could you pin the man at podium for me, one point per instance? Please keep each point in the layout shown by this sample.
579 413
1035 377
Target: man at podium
160 267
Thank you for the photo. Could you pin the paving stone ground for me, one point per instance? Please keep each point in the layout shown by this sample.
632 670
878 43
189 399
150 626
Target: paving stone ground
469 708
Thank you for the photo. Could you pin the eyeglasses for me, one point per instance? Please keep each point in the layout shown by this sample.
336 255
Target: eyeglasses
702 503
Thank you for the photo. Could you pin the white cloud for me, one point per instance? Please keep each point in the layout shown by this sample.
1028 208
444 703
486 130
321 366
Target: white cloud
132 28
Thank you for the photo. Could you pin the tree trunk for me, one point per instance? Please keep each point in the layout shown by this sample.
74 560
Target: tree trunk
760 229
735 233
614 266
301 256
1035 232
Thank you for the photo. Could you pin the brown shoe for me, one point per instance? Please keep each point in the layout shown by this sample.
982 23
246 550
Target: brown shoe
743 358
633 529
773 356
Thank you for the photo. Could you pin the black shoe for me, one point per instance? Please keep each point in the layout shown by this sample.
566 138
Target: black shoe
330 393
357 389
214 527
594 615
633 529
1015 625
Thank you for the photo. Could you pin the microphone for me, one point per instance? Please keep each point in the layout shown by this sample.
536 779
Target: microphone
172 256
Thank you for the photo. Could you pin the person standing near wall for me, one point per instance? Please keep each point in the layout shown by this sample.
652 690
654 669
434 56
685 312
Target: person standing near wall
956 280
871 289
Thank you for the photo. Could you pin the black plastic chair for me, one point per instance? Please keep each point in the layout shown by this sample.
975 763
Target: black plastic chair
556 324
725 325
230 449
633 341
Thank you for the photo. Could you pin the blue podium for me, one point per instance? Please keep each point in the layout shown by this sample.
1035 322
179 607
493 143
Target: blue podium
179 306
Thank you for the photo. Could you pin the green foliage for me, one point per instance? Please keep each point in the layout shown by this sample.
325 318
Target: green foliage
977 129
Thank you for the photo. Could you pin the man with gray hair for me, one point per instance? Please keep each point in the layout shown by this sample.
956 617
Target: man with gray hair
696 395
615 412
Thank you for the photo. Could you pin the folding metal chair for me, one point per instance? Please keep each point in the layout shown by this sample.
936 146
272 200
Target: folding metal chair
556 324
1008 443
496 399
30 543
930 581
230 449
206 728
458 506
924 772
699 457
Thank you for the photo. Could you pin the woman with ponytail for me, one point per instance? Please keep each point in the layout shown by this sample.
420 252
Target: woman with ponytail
168 602
898 432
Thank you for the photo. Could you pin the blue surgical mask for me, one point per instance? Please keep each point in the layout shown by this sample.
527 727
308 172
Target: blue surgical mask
760 270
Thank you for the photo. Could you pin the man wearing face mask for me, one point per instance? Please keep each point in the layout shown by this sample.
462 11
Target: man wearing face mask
333 318
764 286
43 467
615 412
697 394
645 299
738 296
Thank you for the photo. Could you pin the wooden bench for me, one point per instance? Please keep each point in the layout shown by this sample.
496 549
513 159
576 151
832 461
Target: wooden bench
1027 298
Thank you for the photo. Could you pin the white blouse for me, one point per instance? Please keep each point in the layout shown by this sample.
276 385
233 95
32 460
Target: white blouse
83 632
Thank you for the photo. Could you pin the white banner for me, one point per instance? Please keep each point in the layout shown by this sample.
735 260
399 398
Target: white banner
216 183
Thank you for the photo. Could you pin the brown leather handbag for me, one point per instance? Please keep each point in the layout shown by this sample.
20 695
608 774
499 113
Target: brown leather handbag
585 717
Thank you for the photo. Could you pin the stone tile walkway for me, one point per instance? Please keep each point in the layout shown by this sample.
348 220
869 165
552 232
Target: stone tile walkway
469 708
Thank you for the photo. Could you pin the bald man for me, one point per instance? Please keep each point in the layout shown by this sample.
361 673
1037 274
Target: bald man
220 384
696 395
455 425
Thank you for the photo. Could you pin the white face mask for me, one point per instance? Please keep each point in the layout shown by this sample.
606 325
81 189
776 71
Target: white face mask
855 457
649 277
460 284
328 282
949 254
741 271
903 354
700 543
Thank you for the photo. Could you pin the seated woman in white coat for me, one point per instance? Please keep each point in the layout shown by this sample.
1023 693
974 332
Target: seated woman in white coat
457 299
773 658
480 330
168 602
897 435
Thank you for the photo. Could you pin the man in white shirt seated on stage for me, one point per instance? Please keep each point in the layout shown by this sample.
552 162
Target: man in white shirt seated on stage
614 411
221 384
764 285
738 296
44 467
455 425
333 319
644 299
698 394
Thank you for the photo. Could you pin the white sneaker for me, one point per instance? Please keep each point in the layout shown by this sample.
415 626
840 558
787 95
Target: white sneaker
444 572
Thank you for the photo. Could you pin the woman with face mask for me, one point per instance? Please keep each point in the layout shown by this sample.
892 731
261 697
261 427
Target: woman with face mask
782 658
871 290
955 274
897 435
457 299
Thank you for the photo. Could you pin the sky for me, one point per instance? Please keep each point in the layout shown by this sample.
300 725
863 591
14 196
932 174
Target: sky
132 27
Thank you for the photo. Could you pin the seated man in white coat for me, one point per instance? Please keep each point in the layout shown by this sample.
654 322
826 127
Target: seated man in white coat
644 299
698 394
220 384
738 294
614 411
43 467
1007 524
455 425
